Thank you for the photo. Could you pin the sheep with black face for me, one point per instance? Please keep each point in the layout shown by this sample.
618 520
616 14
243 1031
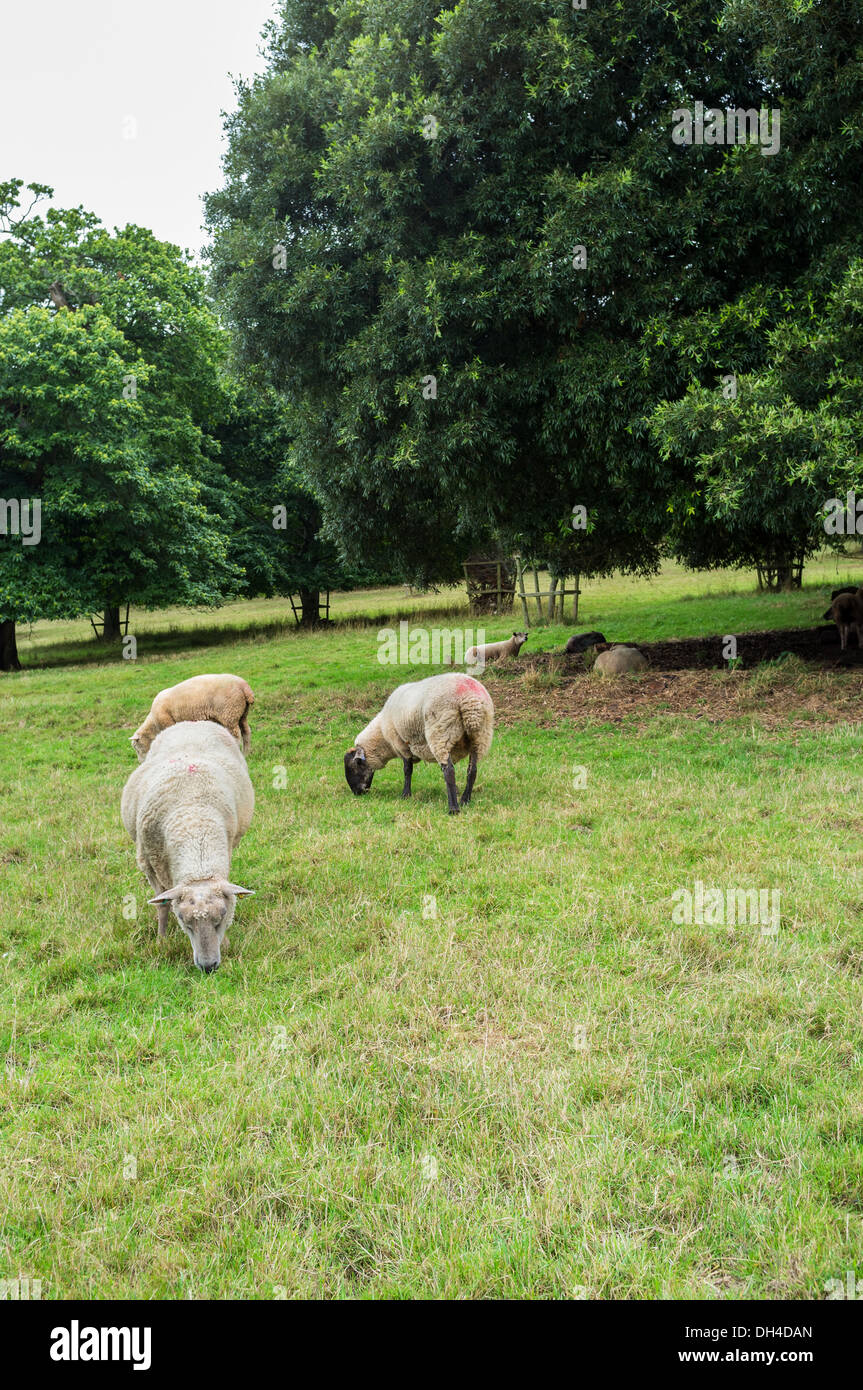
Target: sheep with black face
437 720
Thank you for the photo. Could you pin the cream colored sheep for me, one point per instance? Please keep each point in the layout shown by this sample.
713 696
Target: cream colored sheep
493 651
187 807
224 699
441 719
619 660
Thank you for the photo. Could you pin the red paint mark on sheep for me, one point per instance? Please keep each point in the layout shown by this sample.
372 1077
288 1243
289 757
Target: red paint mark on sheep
468 686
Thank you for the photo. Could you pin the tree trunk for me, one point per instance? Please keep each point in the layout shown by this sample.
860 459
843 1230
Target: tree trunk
781 574
785 577
310 602
8 646
552 595
111 617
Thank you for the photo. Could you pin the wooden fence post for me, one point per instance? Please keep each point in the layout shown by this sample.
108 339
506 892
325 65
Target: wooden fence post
521 593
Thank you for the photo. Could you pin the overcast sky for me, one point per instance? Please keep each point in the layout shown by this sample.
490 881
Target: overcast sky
116 103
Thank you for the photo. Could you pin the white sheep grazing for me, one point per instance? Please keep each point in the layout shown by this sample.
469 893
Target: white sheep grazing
437 720
226 700
187 807
619 660
493 651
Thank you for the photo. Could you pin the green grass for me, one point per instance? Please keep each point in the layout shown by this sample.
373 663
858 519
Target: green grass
537 1086
677 603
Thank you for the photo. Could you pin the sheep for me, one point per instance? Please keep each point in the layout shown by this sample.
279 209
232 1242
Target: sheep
437 720
493 651
846 610
580 641
224 699
187 807
620 659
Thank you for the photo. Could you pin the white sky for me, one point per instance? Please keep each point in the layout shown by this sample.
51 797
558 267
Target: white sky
74 71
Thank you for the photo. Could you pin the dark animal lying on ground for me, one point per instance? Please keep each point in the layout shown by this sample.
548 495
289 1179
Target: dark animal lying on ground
580 641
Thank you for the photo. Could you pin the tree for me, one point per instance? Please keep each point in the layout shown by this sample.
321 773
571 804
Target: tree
766 410
116 519
275 519
458 240
777 447
110 389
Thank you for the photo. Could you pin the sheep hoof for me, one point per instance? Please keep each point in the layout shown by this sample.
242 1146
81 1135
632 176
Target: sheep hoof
453 810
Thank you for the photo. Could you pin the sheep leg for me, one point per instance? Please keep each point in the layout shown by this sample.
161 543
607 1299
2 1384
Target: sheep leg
247 736
843 637
448 770
163 910
471 778
408 764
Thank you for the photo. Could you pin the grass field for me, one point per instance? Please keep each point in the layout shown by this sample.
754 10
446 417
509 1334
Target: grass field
444 1057
676 603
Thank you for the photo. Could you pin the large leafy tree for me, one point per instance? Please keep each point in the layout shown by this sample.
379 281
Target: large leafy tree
774 451
275 519
110 389
357 258
764 457
116 519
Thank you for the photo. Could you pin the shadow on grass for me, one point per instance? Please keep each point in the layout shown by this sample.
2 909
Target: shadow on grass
175 640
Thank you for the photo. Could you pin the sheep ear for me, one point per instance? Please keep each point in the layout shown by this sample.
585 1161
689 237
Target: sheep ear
166 897
360 754
235 888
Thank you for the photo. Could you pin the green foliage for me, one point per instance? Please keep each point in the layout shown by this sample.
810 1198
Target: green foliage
117 521
107 400
355 258
771 457
275 522
766 463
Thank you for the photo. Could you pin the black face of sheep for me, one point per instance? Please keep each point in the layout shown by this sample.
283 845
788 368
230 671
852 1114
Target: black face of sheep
357 771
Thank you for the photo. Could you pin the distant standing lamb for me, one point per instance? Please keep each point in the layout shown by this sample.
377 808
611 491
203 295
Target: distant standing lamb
187 807
224 699
437 720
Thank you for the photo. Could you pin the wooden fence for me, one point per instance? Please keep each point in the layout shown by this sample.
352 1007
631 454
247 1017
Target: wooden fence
556 594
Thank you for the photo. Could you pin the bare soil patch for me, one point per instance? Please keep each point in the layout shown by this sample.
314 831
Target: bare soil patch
819 645
819 684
